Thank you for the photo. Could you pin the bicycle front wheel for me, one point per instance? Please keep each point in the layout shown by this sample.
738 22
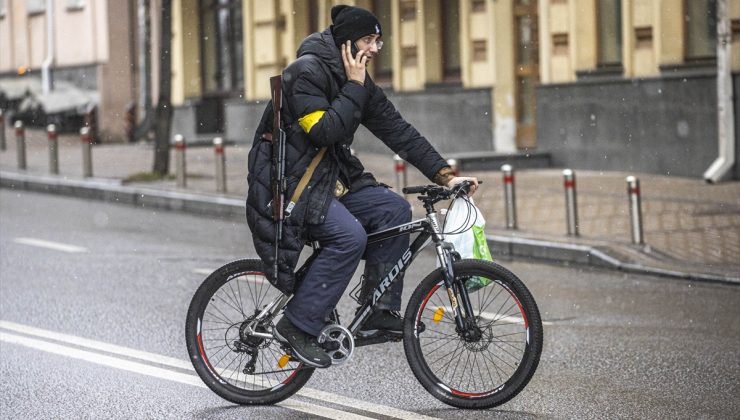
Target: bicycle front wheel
490 366
241 368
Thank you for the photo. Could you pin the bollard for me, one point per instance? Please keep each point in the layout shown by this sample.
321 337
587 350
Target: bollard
129 122
86 140
180 160
2 131
633 192
218 148
400 173
509 196
20 141
571 207
51 133
453 165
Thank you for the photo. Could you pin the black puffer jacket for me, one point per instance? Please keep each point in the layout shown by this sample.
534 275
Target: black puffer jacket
317 81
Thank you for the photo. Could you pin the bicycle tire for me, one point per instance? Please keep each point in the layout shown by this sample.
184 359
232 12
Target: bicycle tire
206 322
509 346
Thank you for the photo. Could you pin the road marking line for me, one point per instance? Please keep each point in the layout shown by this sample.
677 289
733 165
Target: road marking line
156 372
57 246
363 405
97 345
184 364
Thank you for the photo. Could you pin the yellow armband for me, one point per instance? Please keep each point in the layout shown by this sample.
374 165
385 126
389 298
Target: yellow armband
308 121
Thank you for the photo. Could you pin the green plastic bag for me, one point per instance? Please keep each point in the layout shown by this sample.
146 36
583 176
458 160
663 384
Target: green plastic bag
480 252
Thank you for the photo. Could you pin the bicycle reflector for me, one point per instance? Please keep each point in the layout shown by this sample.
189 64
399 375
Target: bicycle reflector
438 314
283 361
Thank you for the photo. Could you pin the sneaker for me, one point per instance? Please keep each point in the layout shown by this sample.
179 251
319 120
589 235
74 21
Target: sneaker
382 321
304 345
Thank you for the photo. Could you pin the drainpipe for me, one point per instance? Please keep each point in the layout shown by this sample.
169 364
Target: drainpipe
145 57
725 109
46 80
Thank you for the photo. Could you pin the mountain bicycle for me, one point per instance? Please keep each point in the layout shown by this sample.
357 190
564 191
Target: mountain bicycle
468 347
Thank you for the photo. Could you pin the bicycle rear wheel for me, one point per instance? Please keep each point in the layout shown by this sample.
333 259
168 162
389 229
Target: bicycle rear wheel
486 369
238 367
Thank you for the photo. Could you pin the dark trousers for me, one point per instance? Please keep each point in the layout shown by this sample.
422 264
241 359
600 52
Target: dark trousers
343 239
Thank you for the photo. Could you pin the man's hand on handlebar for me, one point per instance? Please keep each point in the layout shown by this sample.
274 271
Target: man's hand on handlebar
458 179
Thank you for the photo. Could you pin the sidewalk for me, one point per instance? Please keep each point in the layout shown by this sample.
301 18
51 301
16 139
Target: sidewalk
692 229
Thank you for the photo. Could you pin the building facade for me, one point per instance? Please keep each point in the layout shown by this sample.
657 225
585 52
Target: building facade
632 84
92 55
439 64
598 84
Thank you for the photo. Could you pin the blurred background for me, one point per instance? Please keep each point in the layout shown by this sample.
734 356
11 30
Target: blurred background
632 85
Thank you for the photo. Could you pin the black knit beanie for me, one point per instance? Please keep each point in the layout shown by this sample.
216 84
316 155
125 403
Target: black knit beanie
352 23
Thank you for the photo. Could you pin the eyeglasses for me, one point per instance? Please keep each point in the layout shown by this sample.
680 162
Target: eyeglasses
369 41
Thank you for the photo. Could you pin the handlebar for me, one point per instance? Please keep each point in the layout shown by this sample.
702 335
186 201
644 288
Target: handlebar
438 192
422 189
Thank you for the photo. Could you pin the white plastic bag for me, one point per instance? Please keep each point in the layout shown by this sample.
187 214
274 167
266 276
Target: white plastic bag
465 229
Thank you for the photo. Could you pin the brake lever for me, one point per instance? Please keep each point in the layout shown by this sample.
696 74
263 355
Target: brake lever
465 185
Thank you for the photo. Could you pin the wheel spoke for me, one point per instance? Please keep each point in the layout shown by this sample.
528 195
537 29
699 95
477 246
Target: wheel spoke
236 298
483 362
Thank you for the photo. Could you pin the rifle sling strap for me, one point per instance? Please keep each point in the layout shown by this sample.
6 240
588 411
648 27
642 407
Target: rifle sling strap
304 180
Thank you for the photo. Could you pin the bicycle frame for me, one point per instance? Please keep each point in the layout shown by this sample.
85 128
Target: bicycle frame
428 229
426 233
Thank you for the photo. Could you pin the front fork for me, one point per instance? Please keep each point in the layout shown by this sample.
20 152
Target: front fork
447 256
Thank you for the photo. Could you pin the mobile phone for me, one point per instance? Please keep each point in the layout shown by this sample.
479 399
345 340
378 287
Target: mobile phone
354 49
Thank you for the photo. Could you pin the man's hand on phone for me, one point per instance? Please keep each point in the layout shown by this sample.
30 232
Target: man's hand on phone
354 66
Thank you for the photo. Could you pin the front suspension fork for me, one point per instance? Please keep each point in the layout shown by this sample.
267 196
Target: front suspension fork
455 289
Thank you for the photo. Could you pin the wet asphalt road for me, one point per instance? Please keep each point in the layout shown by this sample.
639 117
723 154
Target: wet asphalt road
616 345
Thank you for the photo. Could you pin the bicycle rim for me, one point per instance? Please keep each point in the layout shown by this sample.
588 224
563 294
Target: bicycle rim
489 369
219 314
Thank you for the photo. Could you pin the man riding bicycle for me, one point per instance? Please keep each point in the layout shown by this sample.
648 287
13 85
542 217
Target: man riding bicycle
327 95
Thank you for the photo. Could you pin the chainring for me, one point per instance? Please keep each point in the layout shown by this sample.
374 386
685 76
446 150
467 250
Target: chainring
339 341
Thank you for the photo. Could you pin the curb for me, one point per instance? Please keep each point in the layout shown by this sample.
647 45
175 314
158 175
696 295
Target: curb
113 191
558 252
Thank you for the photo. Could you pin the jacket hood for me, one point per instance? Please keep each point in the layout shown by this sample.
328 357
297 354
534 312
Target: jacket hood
321 44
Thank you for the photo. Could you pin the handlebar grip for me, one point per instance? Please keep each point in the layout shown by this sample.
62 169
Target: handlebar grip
414 190
465 186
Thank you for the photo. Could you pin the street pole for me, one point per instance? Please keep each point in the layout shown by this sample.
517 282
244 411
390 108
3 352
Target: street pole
51 132
509 196
20 141
180 160
218 148
571 207
2 131
86 140
633 193
400 166
453 165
